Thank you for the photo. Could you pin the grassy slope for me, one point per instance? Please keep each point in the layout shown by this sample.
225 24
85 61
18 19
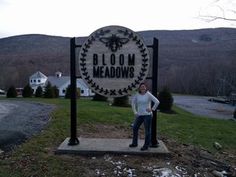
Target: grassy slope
37 157
196 130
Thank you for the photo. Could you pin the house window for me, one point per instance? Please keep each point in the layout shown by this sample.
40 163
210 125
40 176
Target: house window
63 91
34 81
39 80
82 91
31 81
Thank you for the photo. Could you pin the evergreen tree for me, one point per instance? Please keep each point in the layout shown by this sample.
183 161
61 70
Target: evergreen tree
27 91
235 113
78 93
11 92
39 92
121 101
68 92
49 92
56 91
166 100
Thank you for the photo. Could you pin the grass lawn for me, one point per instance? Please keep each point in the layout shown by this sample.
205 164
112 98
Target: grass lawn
36 157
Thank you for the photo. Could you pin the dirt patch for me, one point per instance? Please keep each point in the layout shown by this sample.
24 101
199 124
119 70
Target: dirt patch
185 160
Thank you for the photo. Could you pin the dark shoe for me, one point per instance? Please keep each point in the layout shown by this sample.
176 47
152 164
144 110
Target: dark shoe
133 145
144 148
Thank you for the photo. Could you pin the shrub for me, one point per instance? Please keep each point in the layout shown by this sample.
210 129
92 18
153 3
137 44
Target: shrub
166 100
68 92
49 91
55 91
98 97
11 92
78 93
27 91
39 92
121 101
235 113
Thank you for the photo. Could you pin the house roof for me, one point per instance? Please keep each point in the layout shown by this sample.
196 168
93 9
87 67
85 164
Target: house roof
2 91
38 74
82 83
58 81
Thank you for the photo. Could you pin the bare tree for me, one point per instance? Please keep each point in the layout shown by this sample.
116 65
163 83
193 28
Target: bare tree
219 10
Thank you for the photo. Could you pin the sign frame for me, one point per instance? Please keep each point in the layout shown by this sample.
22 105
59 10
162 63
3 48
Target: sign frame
73 100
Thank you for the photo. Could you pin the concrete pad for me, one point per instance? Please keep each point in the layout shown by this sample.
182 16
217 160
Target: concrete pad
100 146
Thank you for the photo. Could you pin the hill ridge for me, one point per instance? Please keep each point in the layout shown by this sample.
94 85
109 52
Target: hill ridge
180 53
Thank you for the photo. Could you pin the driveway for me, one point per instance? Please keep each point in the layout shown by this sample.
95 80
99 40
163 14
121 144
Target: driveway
20 120
200 105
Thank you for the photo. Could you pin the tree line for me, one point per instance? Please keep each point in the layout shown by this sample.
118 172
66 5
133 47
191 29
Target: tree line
27 92
214 78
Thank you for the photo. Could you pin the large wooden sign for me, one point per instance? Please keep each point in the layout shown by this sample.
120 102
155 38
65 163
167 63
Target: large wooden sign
113 61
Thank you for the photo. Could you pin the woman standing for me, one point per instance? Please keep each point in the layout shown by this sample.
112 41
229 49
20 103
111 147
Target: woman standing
141 105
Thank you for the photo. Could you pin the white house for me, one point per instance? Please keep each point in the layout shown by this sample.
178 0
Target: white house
61 82
84 90
37 79
2 92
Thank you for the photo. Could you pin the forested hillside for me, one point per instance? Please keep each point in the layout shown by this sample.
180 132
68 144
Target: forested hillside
190 61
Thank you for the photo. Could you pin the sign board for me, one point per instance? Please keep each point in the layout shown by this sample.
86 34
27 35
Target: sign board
113 61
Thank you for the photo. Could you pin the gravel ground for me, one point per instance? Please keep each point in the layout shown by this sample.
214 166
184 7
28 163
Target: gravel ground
200 105
19 120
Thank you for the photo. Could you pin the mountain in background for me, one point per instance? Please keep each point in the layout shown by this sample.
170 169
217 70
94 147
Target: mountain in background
190 61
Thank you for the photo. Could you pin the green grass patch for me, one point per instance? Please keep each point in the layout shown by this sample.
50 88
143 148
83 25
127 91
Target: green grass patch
36 156
201 131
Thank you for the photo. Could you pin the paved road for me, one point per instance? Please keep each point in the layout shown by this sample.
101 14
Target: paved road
19 120
200 105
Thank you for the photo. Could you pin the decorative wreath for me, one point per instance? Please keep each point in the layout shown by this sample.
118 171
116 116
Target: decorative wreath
113 92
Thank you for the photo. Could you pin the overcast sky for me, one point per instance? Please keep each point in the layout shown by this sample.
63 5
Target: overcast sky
81 17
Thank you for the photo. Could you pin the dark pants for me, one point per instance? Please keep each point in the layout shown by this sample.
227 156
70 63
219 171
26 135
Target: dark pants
147 120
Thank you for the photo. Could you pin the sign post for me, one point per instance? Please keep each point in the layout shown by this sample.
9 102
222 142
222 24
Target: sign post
73 104
154 142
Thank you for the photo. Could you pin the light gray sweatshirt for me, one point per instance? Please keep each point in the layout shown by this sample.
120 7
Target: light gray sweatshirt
140 103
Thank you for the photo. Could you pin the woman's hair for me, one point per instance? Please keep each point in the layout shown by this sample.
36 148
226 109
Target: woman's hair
141 85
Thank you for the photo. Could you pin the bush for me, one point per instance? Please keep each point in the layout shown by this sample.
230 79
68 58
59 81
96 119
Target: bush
98 97
121 101
56 91
235 113
68 92
11 92
78 93
39 92
166 100
27 91
49 91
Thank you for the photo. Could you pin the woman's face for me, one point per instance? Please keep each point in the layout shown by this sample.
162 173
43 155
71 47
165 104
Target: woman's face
142 88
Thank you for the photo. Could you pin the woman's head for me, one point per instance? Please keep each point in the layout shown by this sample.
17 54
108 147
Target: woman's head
142 88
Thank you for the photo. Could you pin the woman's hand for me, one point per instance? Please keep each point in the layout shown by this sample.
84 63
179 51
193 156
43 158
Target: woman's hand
149 110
